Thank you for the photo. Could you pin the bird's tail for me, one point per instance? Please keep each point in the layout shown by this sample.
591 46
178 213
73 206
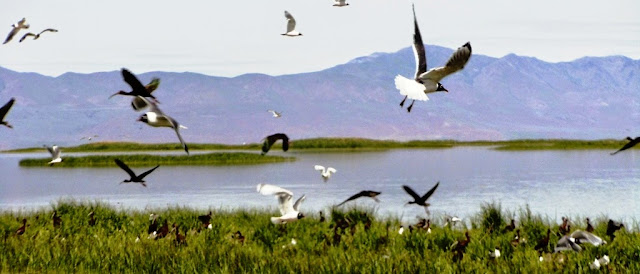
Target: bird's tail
410 88
275 220
183 127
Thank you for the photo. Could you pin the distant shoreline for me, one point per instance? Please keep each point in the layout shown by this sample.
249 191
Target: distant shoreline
348 144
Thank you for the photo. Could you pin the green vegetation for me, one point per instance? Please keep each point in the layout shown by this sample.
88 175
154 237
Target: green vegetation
136 160
351 144
365 244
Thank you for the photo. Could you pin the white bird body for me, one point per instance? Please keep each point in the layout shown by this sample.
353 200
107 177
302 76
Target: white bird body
289 211
325 172
580 237
494 254
291 25
156 118
55 155
275 113
22 24
340 3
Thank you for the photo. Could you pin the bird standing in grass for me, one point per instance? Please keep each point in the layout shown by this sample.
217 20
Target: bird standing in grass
543 243
612 227
56 220
3 112
92 220
163 231
23 228
459 247
589 226
205 219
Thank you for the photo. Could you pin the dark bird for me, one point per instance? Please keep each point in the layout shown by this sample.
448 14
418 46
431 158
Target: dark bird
589 226
23 228
271 139
543 243
205 219
516 240
565 228
92 220
36 36
420 200
458 247
134 178
16 28
3 112
424 81
57 221
630 144
137 88
180 239
139 104
364 193
511 226
238 236
156 118
322 219
163 231
612 227
153 226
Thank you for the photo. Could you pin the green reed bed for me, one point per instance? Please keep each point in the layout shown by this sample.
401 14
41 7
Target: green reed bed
368 244
136 160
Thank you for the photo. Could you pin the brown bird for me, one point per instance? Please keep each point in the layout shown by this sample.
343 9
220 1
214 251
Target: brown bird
364 193
516 240
460 246
205 219
543 243
421 200
238 236
137 88
163 231
612 227
271 139
589 226
92 220
134 178
23 228
180 239
511 226
565 228
322 219
57 221
3 112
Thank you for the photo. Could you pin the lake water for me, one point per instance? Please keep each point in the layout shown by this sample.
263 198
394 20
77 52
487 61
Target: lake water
553 183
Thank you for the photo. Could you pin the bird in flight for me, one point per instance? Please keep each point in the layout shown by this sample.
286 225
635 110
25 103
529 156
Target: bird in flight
364 193
340 3
275 113
271 139
22 24
137 89
134 178
289 211
428 81
156 118
3 112
325 172
632 142
421 200
291 26
36 36
55 155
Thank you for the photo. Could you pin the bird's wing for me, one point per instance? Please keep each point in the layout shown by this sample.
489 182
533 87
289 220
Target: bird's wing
125 168
411 192
50 30
176 127
296 205
25 36
285 141
360 194
284 202
456 62
21 22
141 176
319 168
433 189
411 88
152 105
132 80
56 152
12 33
331 170
267 189
587 236
291 23
153 85
418 48
5 109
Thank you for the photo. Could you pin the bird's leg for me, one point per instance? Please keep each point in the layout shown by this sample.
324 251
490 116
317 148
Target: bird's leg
410 106
405 98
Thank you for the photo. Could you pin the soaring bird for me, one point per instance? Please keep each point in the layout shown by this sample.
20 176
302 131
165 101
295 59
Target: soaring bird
364 193
55 155
291 25
428 81
325 172
290 211
139 104
420 200
15 29
36 36
134 178
89 138
630 144
137 89
275 113
271 139
156 118
340 3
3 112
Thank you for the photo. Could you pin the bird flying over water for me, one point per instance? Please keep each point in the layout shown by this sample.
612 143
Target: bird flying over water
3 112
325 172
134 178
139 104
16 28
36 36
364 193
632 142
271 139
55 155
428 81
156 118
137 89
290 211
291 25
421 200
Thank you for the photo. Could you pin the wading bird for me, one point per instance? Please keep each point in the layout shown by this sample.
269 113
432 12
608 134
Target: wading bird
271 139
3 112
156 118
134 178
290 211
16 28
36 36
364 193
420 200
424 81
632 142
291 25
325 172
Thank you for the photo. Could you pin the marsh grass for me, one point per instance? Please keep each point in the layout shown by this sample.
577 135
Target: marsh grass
137 160
111 244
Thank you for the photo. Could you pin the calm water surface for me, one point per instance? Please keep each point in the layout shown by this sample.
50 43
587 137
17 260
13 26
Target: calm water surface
553 183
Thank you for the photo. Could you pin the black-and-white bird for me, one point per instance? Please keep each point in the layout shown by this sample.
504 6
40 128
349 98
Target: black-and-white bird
421 200
632 142
567 243
36 36
55 155
424 81
289 211
3 112
271 139
156 118
89 138
291 25
137 89
325 172
340 3
134 178
22 24
275 113
139 104
364 193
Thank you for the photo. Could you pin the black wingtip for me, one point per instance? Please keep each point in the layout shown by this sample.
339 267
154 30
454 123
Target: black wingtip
468 45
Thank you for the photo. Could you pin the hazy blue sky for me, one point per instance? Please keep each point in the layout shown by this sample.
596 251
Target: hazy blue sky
233 37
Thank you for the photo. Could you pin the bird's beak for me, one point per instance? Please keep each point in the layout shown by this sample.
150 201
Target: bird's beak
114 94
139 119
445 90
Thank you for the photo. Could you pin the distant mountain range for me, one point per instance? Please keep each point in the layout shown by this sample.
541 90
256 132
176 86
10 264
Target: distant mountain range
491 99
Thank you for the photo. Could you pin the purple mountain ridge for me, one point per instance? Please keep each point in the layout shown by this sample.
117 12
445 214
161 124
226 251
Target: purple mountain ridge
512 97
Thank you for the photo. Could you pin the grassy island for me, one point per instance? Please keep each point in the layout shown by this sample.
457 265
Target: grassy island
119 242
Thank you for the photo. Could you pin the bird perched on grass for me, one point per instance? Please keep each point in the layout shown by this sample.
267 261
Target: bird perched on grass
15 28
364 193
459 247
290 211
92 219
206 219
3 112
36 36
420 200
23 228
271 139
56 220
134 178
612 227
